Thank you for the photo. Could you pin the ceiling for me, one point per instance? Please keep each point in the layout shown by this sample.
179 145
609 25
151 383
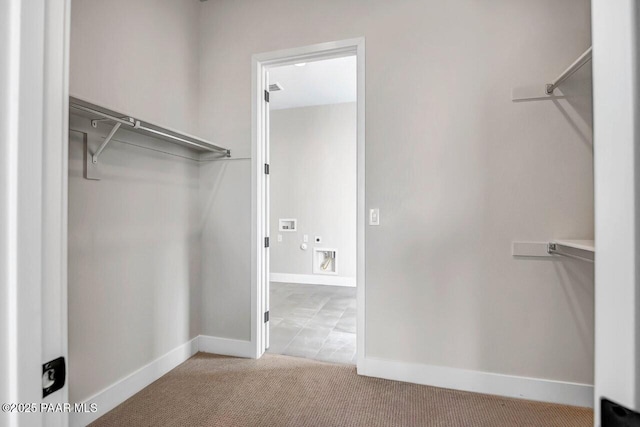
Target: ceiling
331 81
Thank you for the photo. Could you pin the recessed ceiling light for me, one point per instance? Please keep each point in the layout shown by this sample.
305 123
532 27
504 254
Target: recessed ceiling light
301 64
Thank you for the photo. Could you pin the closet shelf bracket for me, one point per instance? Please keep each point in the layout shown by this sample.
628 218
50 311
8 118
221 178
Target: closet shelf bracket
94 122
550 90
555 248
575 66
96 155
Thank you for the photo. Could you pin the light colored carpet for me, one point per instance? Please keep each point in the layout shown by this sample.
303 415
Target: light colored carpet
210 390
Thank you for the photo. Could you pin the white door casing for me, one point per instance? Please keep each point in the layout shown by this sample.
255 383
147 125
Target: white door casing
267 206
261 63
34 84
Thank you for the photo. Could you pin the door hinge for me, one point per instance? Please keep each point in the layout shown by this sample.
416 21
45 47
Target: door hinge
54 374
266 242
266 95
266 316
266 168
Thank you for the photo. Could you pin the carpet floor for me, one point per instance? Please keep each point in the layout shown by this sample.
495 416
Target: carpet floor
211 390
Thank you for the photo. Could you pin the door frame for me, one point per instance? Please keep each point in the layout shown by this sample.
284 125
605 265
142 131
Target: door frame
259 66
33 199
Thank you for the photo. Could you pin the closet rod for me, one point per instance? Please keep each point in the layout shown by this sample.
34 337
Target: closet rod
578 63
177 138
136 124
100 113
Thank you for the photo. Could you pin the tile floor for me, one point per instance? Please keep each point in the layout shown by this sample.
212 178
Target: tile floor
313 321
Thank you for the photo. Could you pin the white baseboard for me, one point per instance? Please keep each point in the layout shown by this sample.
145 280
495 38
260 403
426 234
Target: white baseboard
313 279
120 391
226 346
437 376
480 382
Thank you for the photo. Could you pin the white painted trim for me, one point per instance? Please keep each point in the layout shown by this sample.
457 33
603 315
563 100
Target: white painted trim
21 151
120 391
259 64
226 346
362 211
25 165
33 123
616 133
55 195
566 393
311 279
256 206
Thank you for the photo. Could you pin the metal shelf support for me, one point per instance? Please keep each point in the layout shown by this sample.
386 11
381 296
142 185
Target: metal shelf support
104 144
577 64
552 249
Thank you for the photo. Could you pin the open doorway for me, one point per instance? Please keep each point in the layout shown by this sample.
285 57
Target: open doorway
318 249
313 209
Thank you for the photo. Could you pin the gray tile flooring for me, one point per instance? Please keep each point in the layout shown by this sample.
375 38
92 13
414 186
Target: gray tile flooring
313 321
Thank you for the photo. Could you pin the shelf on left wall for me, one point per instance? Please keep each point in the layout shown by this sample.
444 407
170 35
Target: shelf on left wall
96 114
584 245
583 250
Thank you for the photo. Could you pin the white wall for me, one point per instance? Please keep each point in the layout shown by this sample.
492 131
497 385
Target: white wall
134 236
457 170
226 232
139 57
313 179
615 61
134 259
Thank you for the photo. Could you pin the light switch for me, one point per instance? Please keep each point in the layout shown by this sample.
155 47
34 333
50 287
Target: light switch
279 238
305 238
374 216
